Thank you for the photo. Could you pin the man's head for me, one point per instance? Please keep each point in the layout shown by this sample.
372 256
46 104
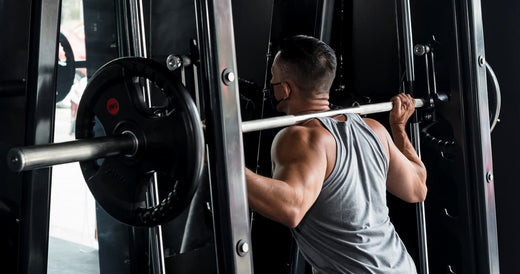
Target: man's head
305 64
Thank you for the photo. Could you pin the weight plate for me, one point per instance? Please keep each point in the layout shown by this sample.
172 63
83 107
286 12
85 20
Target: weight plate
66 70
169 134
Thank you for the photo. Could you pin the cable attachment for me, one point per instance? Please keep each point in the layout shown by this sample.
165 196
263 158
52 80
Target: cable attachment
428 51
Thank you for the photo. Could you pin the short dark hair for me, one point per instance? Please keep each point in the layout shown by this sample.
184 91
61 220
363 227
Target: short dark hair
310 61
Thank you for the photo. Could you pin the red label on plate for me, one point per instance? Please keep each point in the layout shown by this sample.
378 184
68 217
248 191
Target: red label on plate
112 106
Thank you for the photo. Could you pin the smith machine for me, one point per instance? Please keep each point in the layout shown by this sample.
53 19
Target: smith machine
144 153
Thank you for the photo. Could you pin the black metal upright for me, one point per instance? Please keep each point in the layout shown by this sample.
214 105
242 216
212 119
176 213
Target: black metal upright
479 147
13 73
41 87
500 43
456 150
224 136
407 34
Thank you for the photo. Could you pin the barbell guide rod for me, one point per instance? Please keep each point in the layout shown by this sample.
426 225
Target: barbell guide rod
410 79
420 211
33 157
289 120
140 49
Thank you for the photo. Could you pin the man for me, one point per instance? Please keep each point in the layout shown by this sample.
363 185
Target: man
330 175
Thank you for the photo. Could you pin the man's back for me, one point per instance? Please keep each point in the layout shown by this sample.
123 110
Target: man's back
347 230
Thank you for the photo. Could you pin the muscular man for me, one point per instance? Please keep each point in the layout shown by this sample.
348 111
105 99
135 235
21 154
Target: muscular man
330 175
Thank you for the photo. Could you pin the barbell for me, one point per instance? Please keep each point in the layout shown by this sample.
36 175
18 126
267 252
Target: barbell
121 143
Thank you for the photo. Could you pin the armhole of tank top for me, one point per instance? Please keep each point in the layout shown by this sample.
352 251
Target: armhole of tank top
378 142
334 169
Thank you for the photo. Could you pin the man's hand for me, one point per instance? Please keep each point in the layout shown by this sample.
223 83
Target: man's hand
404 107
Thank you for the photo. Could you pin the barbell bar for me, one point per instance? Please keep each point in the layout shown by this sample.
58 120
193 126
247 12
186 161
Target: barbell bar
33 157
39 156
289 120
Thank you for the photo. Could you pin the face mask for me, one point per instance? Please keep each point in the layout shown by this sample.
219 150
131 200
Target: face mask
274 102
272 98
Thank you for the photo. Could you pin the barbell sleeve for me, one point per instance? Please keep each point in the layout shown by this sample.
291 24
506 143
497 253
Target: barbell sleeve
34 157
289 120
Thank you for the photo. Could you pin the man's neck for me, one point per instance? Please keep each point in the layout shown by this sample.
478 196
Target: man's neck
310 106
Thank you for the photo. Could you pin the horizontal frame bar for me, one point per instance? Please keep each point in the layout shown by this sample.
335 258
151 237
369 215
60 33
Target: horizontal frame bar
289 120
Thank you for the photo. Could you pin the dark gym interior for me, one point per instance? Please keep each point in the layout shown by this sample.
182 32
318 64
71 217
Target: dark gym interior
180 205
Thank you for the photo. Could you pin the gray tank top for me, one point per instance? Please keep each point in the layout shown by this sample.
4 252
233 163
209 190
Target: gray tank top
348 230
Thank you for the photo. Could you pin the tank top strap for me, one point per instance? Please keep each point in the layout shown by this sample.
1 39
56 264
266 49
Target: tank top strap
337 131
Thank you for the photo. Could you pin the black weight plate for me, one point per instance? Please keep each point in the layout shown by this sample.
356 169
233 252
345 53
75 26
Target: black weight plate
170 138
66 70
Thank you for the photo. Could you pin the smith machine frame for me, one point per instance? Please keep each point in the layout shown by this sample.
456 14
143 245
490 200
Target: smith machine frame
217 41
218 85
230 207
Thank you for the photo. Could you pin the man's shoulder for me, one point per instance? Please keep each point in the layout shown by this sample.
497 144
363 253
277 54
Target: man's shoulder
377 127
374 124
311 133
309 128
380 131
302 143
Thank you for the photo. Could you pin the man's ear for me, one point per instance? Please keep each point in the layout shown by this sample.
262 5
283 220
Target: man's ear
286 88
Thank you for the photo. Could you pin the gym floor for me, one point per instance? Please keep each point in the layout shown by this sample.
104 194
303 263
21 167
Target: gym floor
67 257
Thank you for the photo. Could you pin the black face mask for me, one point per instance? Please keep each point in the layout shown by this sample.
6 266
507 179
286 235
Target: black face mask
272 98
274 102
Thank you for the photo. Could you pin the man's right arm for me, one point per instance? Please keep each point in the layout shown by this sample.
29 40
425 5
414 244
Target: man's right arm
300 167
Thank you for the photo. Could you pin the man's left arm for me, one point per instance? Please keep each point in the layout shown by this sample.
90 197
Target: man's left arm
300 164
406 175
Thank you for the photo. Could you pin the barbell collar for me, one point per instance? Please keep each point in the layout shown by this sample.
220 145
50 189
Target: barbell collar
34 157
289 120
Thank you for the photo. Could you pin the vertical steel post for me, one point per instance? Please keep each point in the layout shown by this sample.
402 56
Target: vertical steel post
138 31
414 136
41 90
419 208
219 83
155 233
408 40
139 48
478 128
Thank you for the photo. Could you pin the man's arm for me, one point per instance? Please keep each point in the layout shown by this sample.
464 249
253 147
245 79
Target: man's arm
406 177
405 180
300 165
